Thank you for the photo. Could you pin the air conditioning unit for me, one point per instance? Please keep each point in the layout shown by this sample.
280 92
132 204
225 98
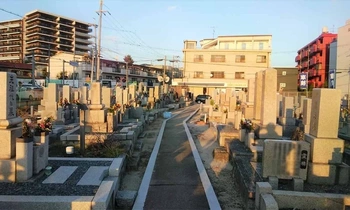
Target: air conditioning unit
285 159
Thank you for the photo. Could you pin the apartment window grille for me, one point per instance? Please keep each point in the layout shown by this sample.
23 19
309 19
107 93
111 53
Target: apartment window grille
261 58
198 74
240 58
239 75
218 58
217 74
261 46
198 58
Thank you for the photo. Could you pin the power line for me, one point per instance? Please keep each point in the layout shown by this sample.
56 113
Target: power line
12 13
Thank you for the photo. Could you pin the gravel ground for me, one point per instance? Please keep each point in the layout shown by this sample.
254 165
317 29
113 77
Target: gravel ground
34 186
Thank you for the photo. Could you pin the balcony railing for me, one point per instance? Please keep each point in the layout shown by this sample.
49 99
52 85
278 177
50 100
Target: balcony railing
297 58
82 34
82 47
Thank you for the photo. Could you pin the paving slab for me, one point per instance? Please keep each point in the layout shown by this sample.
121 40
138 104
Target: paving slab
60 175
94 175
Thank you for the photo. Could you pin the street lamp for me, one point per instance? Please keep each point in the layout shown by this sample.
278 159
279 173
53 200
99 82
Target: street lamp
172 70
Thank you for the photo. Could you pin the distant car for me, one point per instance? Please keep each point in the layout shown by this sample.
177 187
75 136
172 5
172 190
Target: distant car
201 98
29 92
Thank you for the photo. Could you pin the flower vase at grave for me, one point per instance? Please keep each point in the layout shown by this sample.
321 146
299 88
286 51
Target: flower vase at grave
24 158
243 135
43 139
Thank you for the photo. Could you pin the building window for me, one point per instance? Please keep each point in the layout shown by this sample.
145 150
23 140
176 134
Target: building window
217 74
190 46
217 58
240 58
284 73
244 46
261 58
226 46
239 75
198 74
261 46
282 85
198 58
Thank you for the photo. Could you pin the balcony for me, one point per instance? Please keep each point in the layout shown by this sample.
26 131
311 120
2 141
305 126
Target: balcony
82 34
82 47
85 41
313 61
41 17
297 58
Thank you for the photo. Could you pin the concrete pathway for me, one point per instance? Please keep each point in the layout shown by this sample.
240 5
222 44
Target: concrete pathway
174 181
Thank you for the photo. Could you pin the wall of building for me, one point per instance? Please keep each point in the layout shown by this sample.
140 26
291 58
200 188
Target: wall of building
287 79
343 58
332 63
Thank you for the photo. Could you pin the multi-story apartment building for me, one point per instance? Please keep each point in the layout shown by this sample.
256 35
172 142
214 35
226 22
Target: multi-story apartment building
313 59
11 41
46 34
42 34
343 60
224 62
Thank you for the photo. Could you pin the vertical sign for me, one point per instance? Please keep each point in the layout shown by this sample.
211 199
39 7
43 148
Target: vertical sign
303 80
11 90
331 79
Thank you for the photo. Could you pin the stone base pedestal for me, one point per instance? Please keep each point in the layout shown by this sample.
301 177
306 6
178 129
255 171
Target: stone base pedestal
95 116
321 174
8 142
325 150
24 159
269 131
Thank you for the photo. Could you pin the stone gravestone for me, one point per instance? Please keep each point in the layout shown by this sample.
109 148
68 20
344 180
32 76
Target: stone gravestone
9 130
268 127
258 95
326 148
287 119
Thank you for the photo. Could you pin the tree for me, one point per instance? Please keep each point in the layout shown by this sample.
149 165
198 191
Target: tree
128 59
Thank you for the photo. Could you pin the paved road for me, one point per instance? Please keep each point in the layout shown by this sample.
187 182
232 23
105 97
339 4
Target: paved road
175 182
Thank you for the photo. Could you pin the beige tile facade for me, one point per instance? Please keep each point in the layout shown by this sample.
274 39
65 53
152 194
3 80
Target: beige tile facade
224 62
343 61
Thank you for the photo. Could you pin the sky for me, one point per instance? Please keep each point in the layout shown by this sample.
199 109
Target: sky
151 29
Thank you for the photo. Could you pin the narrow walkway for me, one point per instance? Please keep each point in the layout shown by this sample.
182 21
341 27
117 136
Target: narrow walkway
175 182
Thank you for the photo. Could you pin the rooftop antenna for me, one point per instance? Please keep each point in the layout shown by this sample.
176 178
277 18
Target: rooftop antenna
213 27
333 28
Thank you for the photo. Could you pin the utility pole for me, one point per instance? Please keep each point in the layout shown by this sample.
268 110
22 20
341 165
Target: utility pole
172 71
126 75
33 69
48 66
63 72
93 55
308 66
92 65
164 74
100 12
